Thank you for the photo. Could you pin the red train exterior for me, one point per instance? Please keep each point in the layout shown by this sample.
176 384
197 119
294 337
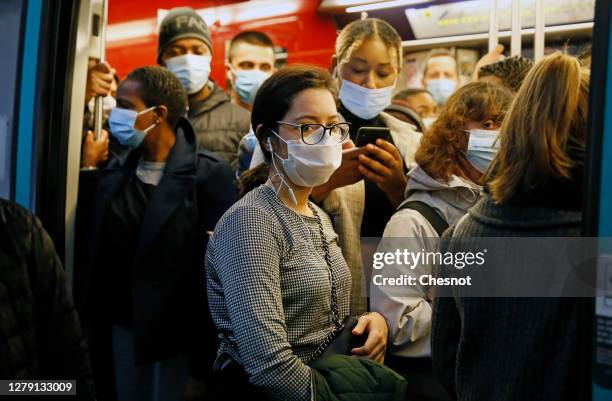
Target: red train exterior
294 25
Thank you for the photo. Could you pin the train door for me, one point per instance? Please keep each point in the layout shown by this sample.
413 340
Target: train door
598 189
12 15
45 48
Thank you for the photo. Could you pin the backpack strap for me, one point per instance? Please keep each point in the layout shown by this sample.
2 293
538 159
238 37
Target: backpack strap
437 222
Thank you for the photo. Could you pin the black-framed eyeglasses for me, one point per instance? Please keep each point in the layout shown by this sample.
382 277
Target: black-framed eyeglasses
314 133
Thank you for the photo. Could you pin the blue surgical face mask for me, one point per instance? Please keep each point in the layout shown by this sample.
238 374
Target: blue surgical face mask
441 89
122 121
248 82
482 148
192 70
364 102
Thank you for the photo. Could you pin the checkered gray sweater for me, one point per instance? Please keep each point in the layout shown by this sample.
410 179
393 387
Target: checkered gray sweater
269 290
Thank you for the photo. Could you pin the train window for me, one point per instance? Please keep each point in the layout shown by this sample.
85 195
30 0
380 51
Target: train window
10 20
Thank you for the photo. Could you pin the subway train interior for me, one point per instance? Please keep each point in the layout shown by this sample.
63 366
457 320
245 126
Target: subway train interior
176 223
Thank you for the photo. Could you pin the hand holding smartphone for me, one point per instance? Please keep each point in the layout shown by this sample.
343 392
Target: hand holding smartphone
369 135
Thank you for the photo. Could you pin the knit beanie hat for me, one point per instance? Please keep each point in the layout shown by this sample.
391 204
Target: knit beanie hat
180 23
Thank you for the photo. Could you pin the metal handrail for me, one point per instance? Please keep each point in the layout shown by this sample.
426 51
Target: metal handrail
515 41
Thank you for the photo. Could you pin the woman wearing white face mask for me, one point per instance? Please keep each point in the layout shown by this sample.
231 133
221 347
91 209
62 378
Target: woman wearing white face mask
277 282
445 181
366 65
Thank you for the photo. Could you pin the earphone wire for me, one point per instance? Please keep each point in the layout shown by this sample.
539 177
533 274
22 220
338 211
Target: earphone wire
280 176
283 182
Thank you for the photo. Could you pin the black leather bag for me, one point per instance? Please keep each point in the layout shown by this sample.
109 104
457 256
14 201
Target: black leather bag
342 341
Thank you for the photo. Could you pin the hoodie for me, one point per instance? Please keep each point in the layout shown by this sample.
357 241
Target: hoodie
407 309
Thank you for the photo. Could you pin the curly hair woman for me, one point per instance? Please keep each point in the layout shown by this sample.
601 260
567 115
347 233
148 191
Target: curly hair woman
446 180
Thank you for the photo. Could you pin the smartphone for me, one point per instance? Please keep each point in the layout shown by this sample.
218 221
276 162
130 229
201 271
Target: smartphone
367 135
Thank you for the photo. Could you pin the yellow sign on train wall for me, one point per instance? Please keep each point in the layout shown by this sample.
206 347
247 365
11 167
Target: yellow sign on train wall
468 17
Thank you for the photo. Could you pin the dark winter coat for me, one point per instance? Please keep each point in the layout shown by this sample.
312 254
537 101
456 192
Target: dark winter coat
219 124
169 305
40 334
347 378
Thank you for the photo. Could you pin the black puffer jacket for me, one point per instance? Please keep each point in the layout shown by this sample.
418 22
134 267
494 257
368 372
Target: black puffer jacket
40 334
219 124
346 378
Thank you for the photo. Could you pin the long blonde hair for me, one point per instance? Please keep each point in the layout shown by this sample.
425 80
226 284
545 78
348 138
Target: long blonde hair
550 108
353 35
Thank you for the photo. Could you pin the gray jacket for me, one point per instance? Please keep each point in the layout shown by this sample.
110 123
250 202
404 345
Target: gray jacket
407 310
219 124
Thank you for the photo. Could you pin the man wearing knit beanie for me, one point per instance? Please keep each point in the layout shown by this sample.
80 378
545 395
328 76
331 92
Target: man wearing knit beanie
185 48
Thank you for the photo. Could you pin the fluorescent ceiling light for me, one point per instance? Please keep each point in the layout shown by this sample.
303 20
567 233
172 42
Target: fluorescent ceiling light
347 3
386 4
241 12
274 21
224 15
130 30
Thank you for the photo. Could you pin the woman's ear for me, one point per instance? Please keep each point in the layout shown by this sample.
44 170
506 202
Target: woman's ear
259 130
333 65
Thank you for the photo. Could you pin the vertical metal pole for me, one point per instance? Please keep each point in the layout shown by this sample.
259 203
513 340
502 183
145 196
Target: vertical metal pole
75 135
98 111
493 25
539 39
515 43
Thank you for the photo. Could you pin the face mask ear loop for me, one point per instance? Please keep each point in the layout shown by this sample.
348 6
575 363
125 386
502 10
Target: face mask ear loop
146 130
149 128
496 141
289 189
279 175
146 110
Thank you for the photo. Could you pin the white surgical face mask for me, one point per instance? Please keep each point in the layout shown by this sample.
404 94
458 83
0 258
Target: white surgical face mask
248 82
482 148
310 165
192 70
108 103
441 89
427 121
364 102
